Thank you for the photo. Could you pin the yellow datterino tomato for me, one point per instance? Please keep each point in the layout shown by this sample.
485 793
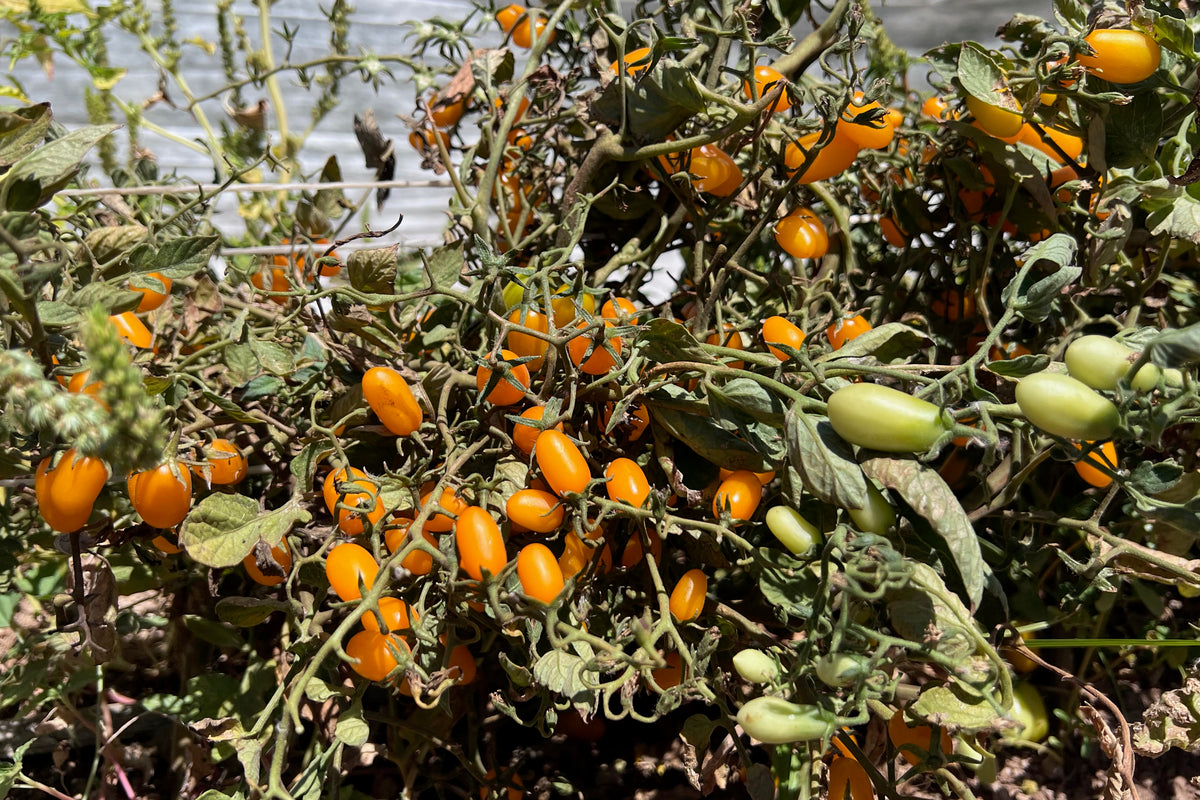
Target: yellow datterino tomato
767 79
1003 123
636 62
915 741
527 344
148 286
832 159
739 494
535 510
132 330
374 653
848 779
687 598
802 234
479 542
397 535
561 462
281 555
504 393
225 464
627 482
1091 468
397 615
524 435
591 355
540 575
67 492
160 496
846 329
389 396
354 489
448 501
876 134
777 330
1121 55
347 566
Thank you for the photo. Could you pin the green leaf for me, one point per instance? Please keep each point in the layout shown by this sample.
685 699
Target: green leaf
304 465
1149 477
823 460
1034 299
926 611
49 167
706 437
1177 214
1131 132
663 341
351 728
956 708
175 258
928 495
246 612
212 632
444 265
9 771
787 583
562 673
887 343
749 397
983 78
222 529
56 314
657 103
262 386
21 131
274 358
229 408
373 269
1020 366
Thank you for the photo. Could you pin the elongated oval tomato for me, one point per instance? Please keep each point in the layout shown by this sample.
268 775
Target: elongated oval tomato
636 62
281 555
388 395
372 651
1066 407
132 329
526 344
599 361
450 501
887 419
832 159
996 121
397 536
1121 55
687 598
670 675
635 552
395 613
504 393
66 493
877 516
525 436
777 330
627 482
766 79
346 566
561 463
1101 363
161 498
740 493
226 464
773 720
846 329
1090 468
480 545
541 577
152 297
792 530
876 134
535 510
915 741
356 490
633 423
755 666
848 779
763 477
279 283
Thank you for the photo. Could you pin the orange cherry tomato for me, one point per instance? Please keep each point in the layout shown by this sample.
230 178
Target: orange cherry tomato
620 309
443 114
832 159
952 305
577 555
635 421
687 598
599 361
526 344
1121 55
508 16
671 675
397 536
636 62
132 329
525 436
152 298
439 522
395 613
349 565
627 482
848 779
892 233
159 497
461 664
504 393
541 577
905 736
802 234
364 494
65 494
777 330
1004 351
1089 468
763 477
846 329
480 545
281 555
388 395
372 651
740 493
875 135
535 510
765 80
634 552
936 108
279 283
561 463
225 463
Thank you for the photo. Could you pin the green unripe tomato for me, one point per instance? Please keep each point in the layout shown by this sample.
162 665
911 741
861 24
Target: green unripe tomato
792 530
877 516
1066 407
1101 363
1029 710
841 669
1172 377
755 666
773 720
883 418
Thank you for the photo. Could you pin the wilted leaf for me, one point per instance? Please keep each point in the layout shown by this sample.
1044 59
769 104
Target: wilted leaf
222 529
246 612
823 460
954 707
663 341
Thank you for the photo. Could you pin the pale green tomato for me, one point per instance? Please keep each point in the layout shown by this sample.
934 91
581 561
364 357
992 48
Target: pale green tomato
792 530
755 666
1066 407
1029 710
882 418
1101 363
841 669
877 516
773 720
